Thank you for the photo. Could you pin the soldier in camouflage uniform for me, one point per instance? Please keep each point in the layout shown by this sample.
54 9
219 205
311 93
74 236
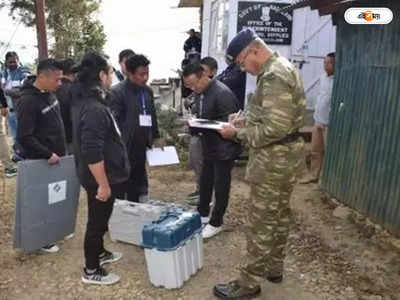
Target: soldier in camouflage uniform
270 128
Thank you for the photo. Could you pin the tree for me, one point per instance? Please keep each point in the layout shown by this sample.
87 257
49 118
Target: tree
72 24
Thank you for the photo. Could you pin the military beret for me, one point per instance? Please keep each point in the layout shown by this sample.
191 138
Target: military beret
239 42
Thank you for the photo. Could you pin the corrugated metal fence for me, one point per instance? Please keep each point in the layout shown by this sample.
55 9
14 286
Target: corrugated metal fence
362 166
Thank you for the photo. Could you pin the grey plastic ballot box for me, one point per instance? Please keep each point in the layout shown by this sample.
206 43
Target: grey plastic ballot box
46 202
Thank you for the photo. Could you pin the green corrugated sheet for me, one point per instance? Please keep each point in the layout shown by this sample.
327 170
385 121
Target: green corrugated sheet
362 166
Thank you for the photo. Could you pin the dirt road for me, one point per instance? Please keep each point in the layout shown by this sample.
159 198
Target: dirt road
332 254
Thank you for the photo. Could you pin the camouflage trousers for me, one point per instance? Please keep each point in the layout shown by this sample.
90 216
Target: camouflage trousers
268 223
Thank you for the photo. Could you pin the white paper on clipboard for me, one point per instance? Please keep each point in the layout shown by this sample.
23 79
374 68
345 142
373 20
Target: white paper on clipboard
206 124
158 157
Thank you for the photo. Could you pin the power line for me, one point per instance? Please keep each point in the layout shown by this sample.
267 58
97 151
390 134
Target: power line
12 37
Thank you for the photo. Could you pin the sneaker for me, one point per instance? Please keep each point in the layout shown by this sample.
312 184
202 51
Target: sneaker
109 257
100 276
193 201
69 236
144 198
16 158
52 248
209 231
205 220
10 172
309 179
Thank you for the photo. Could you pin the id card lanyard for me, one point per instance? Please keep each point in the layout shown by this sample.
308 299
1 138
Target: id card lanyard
143 102
144 118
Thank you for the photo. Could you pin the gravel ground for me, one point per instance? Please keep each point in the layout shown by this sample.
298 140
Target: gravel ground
333 253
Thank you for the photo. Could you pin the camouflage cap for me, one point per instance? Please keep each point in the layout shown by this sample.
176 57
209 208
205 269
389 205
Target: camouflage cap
239 42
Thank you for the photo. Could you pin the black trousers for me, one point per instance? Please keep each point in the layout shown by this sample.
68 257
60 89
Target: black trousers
98 215
137 184
215 175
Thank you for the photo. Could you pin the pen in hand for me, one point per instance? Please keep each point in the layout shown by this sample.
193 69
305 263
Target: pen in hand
238 115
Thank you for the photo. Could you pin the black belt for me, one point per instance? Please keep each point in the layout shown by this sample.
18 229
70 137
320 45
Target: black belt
287 139
11 109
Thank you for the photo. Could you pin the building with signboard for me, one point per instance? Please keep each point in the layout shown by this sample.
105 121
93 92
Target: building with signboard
301 35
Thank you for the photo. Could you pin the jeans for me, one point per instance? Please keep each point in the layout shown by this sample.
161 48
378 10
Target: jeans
4 150
12 125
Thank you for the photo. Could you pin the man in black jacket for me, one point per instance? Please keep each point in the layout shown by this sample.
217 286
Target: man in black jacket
101 160
133 107
64 97
235 79
217 102
193 43
123 57
40 127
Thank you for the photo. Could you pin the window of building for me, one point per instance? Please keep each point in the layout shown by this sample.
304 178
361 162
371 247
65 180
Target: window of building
219 26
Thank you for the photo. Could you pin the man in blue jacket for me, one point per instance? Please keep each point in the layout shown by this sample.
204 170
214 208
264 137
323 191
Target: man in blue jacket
12 79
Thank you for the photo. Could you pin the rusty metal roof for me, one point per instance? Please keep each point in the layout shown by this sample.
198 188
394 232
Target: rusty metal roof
190 3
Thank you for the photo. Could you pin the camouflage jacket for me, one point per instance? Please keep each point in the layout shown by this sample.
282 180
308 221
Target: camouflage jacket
276 110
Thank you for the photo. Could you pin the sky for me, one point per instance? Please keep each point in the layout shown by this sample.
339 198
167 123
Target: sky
155 28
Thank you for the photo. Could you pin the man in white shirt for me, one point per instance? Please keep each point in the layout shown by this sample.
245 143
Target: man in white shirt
321 120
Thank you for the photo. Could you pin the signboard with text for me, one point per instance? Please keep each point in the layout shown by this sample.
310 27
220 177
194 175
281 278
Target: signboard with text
265 19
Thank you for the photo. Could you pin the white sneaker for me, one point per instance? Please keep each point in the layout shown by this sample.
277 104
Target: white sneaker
100 277
50 248
205 220
209 231
109 257
69 236
144 198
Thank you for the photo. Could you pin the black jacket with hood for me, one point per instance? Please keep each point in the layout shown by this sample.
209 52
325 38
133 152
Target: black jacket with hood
96 136
40 129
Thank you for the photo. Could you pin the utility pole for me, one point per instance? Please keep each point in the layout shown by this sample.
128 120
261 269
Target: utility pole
41 29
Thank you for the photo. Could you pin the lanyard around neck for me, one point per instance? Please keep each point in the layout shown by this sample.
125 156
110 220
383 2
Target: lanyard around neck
143 102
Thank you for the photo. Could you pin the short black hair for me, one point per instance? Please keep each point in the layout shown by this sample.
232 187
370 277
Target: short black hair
67 66
136 61
49 64
10 54
125 54
210 62
193 68
331 54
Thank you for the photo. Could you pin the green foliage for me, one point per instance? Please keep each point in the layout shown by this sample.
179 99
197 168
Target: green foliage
72 24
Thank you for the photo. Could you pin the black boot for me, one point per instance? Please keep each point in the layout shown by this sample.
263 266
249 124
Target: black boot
275 279
233 290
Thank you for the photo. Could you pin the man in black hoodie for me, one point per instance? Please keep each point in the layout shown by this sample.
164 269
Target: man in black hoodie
40 127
